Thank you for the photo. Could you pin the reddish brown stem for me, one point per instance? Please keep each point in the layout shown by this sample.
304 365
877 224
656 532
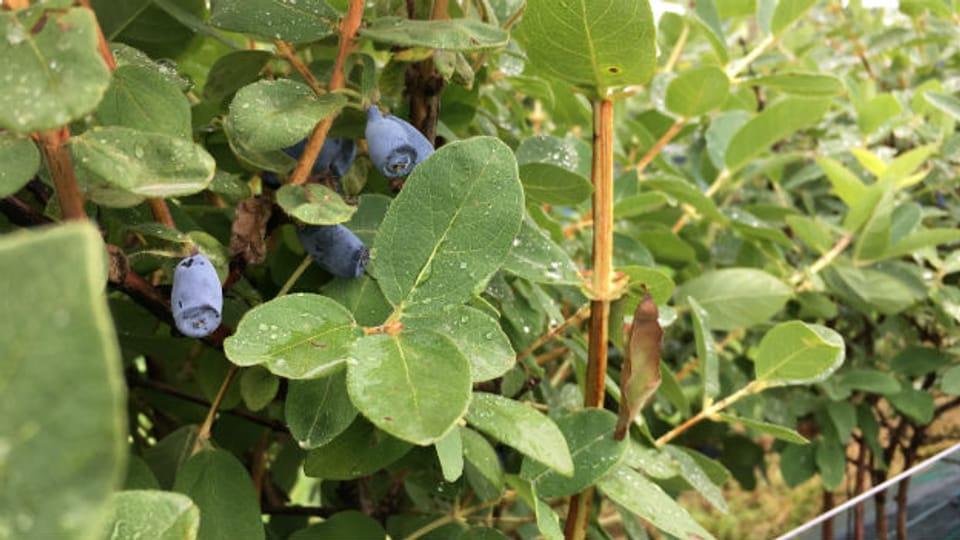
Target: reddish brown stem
204 433
161 212
826 530
102 44
286 51
658 146
60 165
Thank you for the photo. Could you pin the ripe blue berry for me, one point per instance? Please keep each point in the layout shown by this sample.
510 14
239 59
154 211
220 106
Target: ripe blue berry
395 146
197 299
335 248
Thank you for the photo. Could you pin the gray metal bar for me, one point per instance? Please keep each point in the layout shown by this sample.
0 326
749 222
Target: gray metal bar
867 494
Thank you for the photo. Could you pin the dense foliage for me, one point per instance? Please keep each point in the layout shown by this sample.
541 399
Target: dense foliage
768 184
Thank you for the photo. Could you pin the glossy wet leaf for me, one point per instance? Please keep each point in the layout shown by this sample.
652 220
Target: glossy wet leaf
697 91
318 410
159 515
298 336
415 385
536 257
697 477
795 352
522 427
142 98
362 297
314 204
589 436
777 431
300 21
140 163
220 486
269 115
477 335
451 227
67 344
736 297
581 41
634 492
19 162
359 451
449 34
53 73
776 122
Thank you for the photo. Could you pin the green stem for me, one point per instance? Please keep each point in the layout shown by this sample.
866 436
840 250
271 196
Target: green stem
753 388
295 275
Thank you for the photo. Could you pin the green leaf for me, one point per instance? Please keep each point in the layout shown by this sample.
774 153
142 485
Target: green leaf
788 11
398 384
697 91
298 336
795 352
547 520
843 414
319 410
737 297
846 185
945 103
221 487
140 163
950 381
272 160
641 497
831 461
874 238
920 239
774 430
523 428
868 289
581 41
900 169
686 193
482 462
549 184
300 21
62 385
450 453
776 122
19 162
315 204
638 205
812 232
706 349
258 387
167 456
450 227
269 115
801 84
589 436
477 335
346 525
694 474
705 13
919 361
159 515
449 35
643 279
869 380
534 256
874 113
361 296
60 76
482 533
797 463
142 98
359 451
233 71
917 405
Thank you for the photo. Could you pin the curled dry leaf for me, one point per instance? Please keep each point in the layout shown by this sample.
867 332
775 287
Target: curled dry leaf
248 234
641 367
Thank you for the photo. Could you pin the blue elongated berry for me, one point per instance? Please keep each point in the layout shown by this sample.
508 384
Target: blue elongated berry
395 146
271 180
335 248
335 156
197 299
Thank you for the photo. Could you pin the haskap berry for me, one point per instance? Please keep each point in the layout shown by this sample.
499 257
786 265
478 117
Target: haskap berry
395 146
196 299
335 156
335 248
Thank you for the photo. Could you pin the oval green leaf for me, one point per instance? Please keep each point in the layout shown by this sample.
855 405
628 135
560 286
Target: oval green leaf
536 257
776 122
550 184
221 487
359 451
318 410
589 435
451 227
315 204
737 297
869 380
19 162
269 115
795 352
54 73
415 386
521 427
298 336
449 34
159 515
801 84
697 91
140 97
299 21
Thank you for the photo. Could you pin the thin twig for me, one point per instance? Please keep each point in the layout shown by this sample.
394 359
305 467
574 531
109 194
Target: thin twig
286 52
658 146
204 433
580 315
295 275
752 388
824 261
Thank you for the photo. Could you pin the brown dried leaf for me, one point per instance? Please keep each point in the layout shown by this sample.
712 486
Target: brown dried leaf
641 366
248 234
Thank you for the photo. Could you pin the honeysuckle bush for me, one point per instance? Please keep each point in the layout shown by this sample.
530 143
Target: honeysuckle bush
777 176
